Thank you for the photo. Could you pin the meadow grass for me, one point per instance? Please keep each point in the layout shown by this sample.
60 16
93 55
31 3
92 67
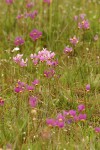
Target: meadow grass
23 127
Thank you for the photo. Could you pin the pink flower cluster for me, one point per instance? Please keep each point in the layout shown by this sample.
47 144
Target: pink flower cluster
20 61
68 117
35 34
83 23
22 87
19 41
44 56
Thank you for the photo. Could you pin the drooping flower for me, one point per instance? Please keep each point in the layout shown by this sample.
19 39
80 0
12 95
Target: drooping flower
74 40
33 101
81 107
19 41
35 34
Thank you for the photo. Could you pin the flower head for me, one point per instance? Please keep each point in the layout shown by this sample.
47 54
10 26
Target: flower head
19 41
35 82
82 117
35 34
67 50
9 1
17 58
72 113
29 5
81 107
1 101
88 87
47 1
51 122
74 40
97 129
33 101
84 25
32 15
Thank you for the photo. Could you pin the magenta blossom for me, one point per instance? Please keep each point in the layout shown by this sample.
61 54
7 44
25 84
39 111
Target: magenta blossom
19 16
88 87
35 82
18 89
72 113
60 124
74 40
44 56
30 88
82 117
33 101
81 107
49 73
23 63
32 15
97 129
67 50
9 1
82 16
29 5
51 122
84 25
19 41
35 34
17 58
47 1
60 117
1 102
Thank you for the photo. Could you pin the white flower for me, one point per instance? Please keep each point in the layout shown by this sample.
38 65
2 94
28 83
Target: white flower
15 49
